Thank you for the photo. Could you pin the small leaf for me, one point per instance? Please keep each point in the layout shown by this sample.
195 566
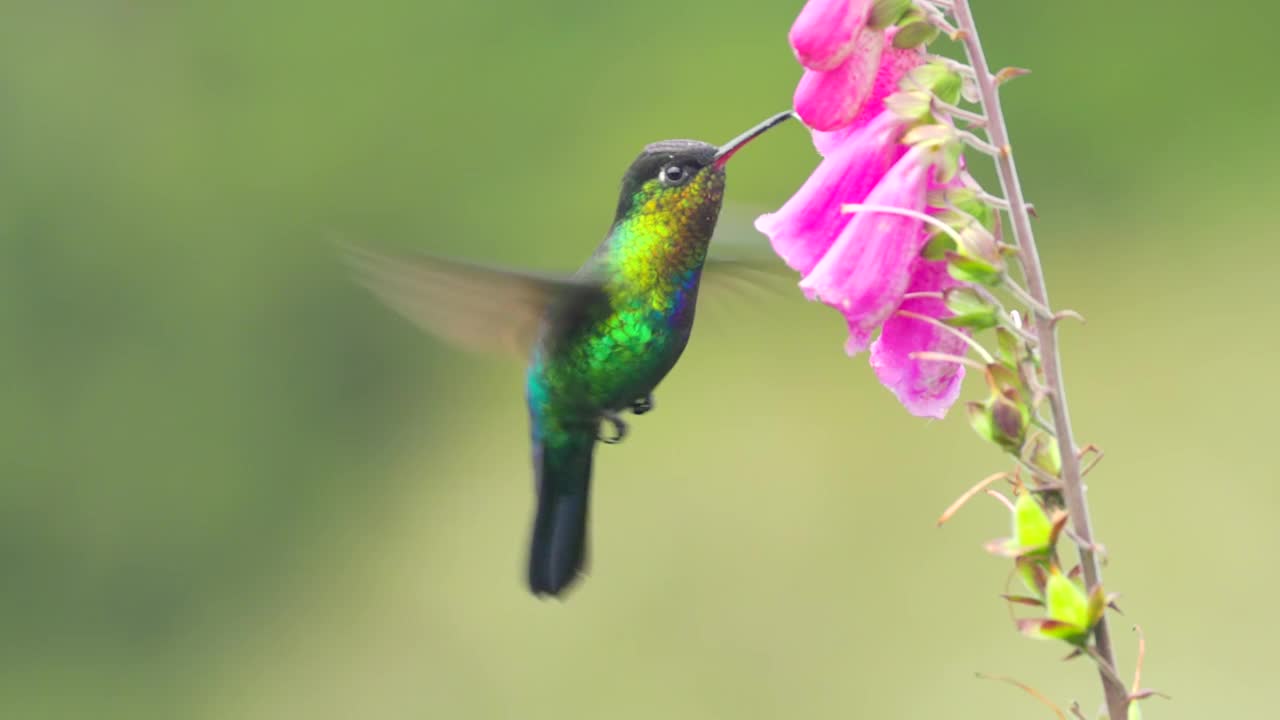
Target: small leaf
1024 600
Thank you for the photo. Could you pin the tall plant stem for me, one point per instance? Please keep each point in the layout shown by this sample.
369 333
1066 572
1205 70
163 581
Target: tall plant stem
1046 330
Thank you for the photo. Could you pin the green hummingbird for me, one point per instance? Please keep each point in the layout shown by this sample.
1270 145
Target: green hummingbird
598 341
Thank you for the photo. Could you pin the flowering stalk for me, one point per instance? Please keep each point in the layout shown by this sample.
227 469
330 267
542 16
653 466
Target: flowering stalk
894 233
1046 334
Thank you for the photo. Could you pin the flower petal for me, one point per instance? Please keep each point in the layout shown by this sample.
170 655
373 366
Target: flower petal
926 388
866 271
829 100
804 228
895 63
823 34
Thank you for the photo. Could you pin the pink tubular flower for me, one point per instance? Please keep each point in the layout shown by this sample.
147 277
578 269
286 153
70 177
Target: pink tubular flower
895 63
829 100
864 274
803 229
927 388
864 264
823 34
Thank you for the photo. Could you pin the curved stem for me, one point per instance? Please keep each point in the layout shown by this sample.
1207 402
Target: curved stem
1073 487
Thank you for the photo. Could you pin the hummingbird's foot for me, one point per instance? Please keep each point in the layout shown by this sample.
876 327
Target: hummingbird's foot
642 405
619 429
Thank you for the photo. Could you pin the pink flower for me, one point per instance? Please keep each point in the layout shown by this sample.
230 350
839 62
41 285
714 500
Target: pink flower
863 264
803 229
829 100
895 63
864 274
823 34
927 388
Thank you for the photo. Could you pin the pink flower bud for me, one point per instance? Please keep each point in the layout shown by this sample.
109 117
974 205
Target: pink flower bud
824 32
829 100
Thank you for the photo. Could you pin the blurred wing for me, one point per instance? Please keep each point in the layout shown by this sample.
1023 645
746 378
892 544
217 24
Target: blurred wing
741 262
475 307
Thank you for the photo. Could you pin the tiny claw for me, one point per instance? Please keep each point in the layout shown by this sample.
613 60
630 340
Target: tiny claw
642 405
619 429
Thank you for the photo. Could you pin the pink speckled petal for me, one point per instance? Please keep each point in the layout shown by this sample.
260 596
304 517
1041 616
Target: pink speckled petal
865 272
824 32
895 63
829 100
804 228
926 388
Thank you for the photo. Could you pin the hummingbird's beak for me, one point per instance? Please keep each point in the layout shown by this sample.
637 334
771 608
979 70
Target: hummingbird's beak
727 150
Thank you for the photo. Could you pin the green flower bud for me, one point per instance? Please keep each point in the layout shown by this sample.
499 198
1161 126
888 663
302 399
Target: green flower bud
913 31
887 12
970 309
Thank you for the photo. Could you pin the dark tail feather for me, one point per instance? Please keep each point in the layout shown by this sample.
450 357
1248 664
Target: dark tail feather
558 549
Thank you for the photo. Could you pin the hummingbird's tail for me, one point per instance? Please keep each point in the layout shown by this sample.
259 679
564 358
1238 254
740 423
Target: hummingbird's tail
558 549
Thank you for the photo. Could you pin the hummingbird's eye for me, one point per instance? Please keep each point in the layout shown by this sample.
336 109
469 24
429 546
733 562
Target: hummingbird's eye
673 175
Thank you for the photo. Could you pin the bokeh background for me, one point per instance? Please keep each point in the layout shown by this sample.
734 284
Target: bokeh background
232 486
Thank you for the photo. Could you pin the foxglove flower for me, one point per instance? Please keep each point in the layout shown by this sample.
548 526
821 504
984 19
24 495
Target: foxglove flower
895 63
804 228
927 388
865 272
830 99
823 34
863 264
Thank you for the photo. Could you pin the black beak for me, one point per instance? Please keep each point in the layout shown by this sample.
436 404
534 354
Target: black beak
727 150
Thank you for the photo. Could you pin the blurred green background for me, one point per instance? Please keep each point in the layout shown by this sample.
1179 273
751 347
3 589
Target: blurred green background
232 486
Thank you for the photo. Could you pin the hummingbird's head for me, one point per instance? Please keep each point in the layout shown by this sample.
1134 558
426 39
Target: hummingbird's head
681 182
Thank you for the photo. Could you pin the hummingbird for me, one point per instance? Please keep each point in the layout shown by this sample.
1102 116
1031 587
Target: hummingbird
598 342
